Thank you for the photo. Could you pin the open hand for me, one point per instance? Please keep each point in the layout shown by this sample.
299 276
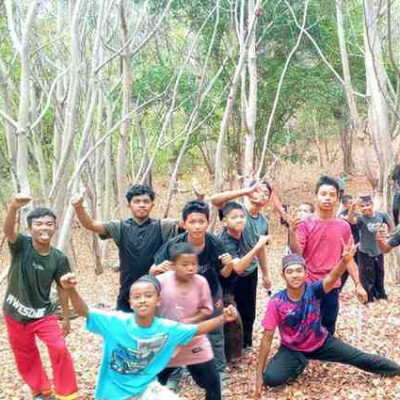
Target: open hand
230 314
291 217
225 258
68 281
20 200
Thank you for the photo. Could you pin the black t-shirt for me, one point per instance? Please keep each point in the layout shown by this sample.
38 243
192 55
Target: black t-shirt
355 231
137 244
232 246
30 278
208 259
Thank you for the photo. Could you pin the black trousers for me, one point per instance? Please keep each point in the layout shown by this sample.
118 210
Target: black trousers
372 275
396 208
245 297
204 374
330 310
288 364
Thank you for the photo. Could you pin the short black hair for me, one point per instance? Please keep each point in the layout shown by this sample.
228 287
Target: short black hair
39 213
139 190
263 182
230 206
195 206
327 180
310 205
346 198
178 249
149 279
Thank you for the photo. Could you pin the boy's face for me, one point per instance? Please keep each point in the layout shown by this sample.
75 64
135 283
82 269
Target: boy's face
185 266
144 299
367 208
196 225
303 211
294 276
346 205
235 220
43 229
260 197
327 197
141 206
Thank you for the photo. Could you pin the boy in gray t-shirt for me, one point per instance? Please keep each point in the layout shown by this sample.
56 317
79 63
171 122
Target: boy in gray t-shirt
370 257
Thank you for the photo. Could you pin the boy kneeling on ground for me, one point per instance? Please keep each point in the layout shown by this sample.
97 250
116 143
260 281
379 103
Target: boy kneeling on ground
137 346
296 312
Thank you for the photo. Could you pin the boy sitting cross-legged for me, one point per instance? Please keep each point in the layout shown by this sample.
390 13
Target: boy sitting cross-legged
137 346
296 312
186 298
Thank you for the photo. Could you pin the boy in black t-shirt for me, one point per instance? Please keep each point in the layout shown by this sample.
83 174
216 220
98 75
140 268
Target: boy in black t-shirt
137 238
212 259
28 311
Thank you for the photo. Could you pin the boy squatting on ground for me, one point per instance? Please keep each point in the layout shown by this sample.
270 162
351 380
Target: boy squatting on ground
212 261
296 311
138 238
319 239
137 346
28 311
186 298
370 257
245 292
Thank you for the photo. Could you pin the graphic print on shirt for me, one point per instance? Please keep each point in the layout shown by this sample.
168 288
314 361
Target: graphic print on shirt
132 361
374 227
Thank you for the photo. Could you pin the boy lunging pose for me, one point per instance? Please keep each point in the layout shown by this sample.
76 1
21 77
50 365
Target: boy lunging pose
296 312
137 346
28 311
370 257
320 241
138 238
256 225
186 298
212 260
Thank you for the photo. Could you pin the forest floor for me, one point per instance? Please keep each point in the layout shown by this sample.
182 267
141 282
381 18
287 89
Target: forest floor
374 328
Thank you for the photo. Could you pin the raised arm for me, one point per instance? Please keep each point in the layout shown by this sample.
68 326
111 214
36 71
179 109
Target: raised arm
293 221
242 263
265 348
9 227
219 199
381 240
347 259
68 282
85 219
351 217
229 315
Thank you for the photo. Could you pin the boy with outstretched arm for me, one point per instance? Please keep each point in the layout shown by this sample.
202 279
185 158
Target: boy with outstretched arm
319 240
138 345
257 197
138 238
296 311
28 311
212 259
370 257
186 298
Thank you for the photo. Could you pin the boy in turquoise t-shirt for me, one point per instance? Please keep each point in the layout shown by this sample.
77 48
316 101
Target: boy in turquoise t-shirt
137 346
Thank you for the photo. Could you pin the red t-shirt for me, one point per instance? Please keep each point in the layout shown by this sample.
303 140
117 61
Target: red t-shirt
322 244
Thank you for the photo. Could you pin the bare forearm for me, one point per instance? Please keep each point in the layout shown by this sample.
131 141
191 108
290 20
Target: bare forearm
219 199
242 263
63 296
198 317
384 247
353 272
264 351
334 275
227 270
294 242
9 224
87 221
210 325
78 303
351 218
263 260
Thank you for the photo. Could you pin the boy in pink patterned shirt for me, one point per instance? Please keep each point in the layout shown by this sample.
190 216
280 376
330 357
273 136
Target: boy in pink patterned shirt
296 312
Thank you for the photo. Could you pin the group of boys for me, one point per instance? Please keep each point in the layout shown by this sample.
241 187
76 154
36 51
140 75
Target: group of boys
175 279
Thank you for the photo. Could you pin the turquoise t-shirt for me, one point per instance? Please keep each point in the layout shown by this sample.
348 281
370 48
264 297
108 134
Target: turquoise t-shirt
133 355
